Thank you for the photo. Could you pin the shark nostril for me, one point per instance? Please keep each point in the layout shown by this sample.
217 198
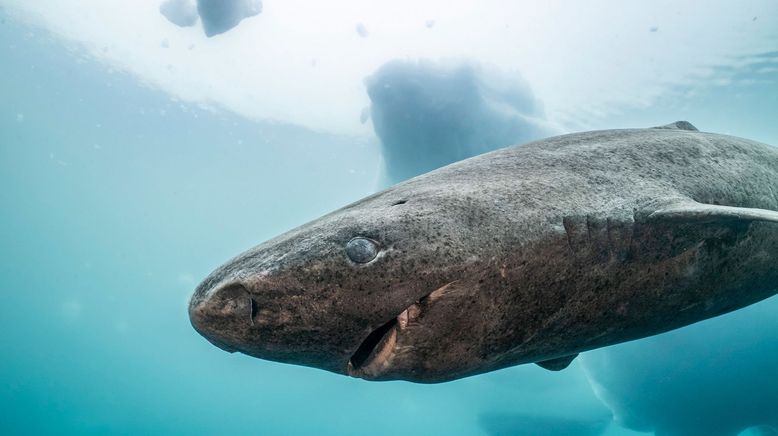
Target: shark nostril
229 300
219 312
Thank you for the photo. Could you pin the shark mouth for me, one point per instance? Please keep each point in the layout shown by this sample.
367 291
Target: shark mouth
375 353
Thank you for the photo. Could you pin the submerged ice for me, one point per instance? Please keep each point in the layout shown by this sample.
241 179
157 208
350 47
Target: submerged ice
717 377
428 114
218 16
182 13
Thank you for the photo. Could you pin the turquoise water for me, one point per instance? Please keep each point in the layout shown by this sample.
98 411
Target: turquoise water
117 198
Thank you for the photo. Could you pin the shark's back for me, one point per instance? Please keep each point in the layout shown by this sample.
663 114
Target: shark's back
626 166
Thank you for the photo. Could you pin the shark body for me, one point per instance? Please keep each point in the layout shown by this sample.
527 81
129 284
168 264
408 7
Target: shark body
529 254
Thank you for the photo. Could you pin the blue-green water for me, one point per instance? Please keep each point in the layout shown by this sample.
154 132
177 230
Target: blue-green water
116 199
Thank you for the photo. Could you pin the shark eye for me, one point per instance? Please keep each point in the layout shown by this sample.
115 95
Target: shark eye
361 250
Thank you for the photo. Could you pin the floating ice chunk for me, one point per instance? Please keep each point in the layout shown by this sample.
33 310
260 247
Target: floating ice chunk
365 115
362 30
429 114
164 43
429 24
182 13
20 117
219 16
716 377
653 29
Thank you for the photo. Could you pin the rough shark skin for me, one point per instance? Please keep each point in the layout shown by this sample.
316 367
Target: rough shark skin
532 253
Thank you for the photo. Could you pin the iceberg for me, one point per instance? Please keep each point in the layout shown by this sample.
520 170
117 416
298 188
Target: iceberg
219 16
428 114
182 13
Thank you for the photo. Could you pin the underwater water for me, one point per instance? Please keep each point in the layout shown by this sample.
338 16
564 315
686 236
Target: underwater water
136 156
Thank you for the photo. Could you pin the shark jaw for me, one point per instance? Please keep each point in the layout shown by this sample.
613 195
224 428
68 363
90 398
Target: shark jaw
376 353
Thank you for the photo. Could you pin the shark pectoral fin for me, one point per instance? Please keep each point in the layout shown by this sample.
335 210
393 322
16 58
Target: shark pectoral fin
678 125
557 364
691 211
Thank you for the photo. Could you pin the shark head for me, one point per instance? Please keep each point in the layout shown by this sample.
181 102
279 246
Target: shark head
372 290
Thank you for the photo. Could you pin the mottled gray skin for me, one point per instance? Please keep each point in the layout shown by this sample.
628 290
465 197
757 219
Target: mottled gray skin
528 254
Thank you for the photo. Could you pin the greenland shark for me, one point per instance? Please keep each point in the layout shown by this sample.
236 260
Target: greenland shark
529 254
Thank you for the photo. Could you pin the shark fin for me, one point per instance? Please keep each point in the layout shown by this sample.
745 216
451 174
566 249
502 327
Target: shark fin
557 364
678 125
691 211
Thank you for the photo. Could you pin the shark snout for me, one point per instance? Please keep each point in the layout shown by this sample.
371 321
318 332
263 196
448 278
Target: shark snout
222 314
